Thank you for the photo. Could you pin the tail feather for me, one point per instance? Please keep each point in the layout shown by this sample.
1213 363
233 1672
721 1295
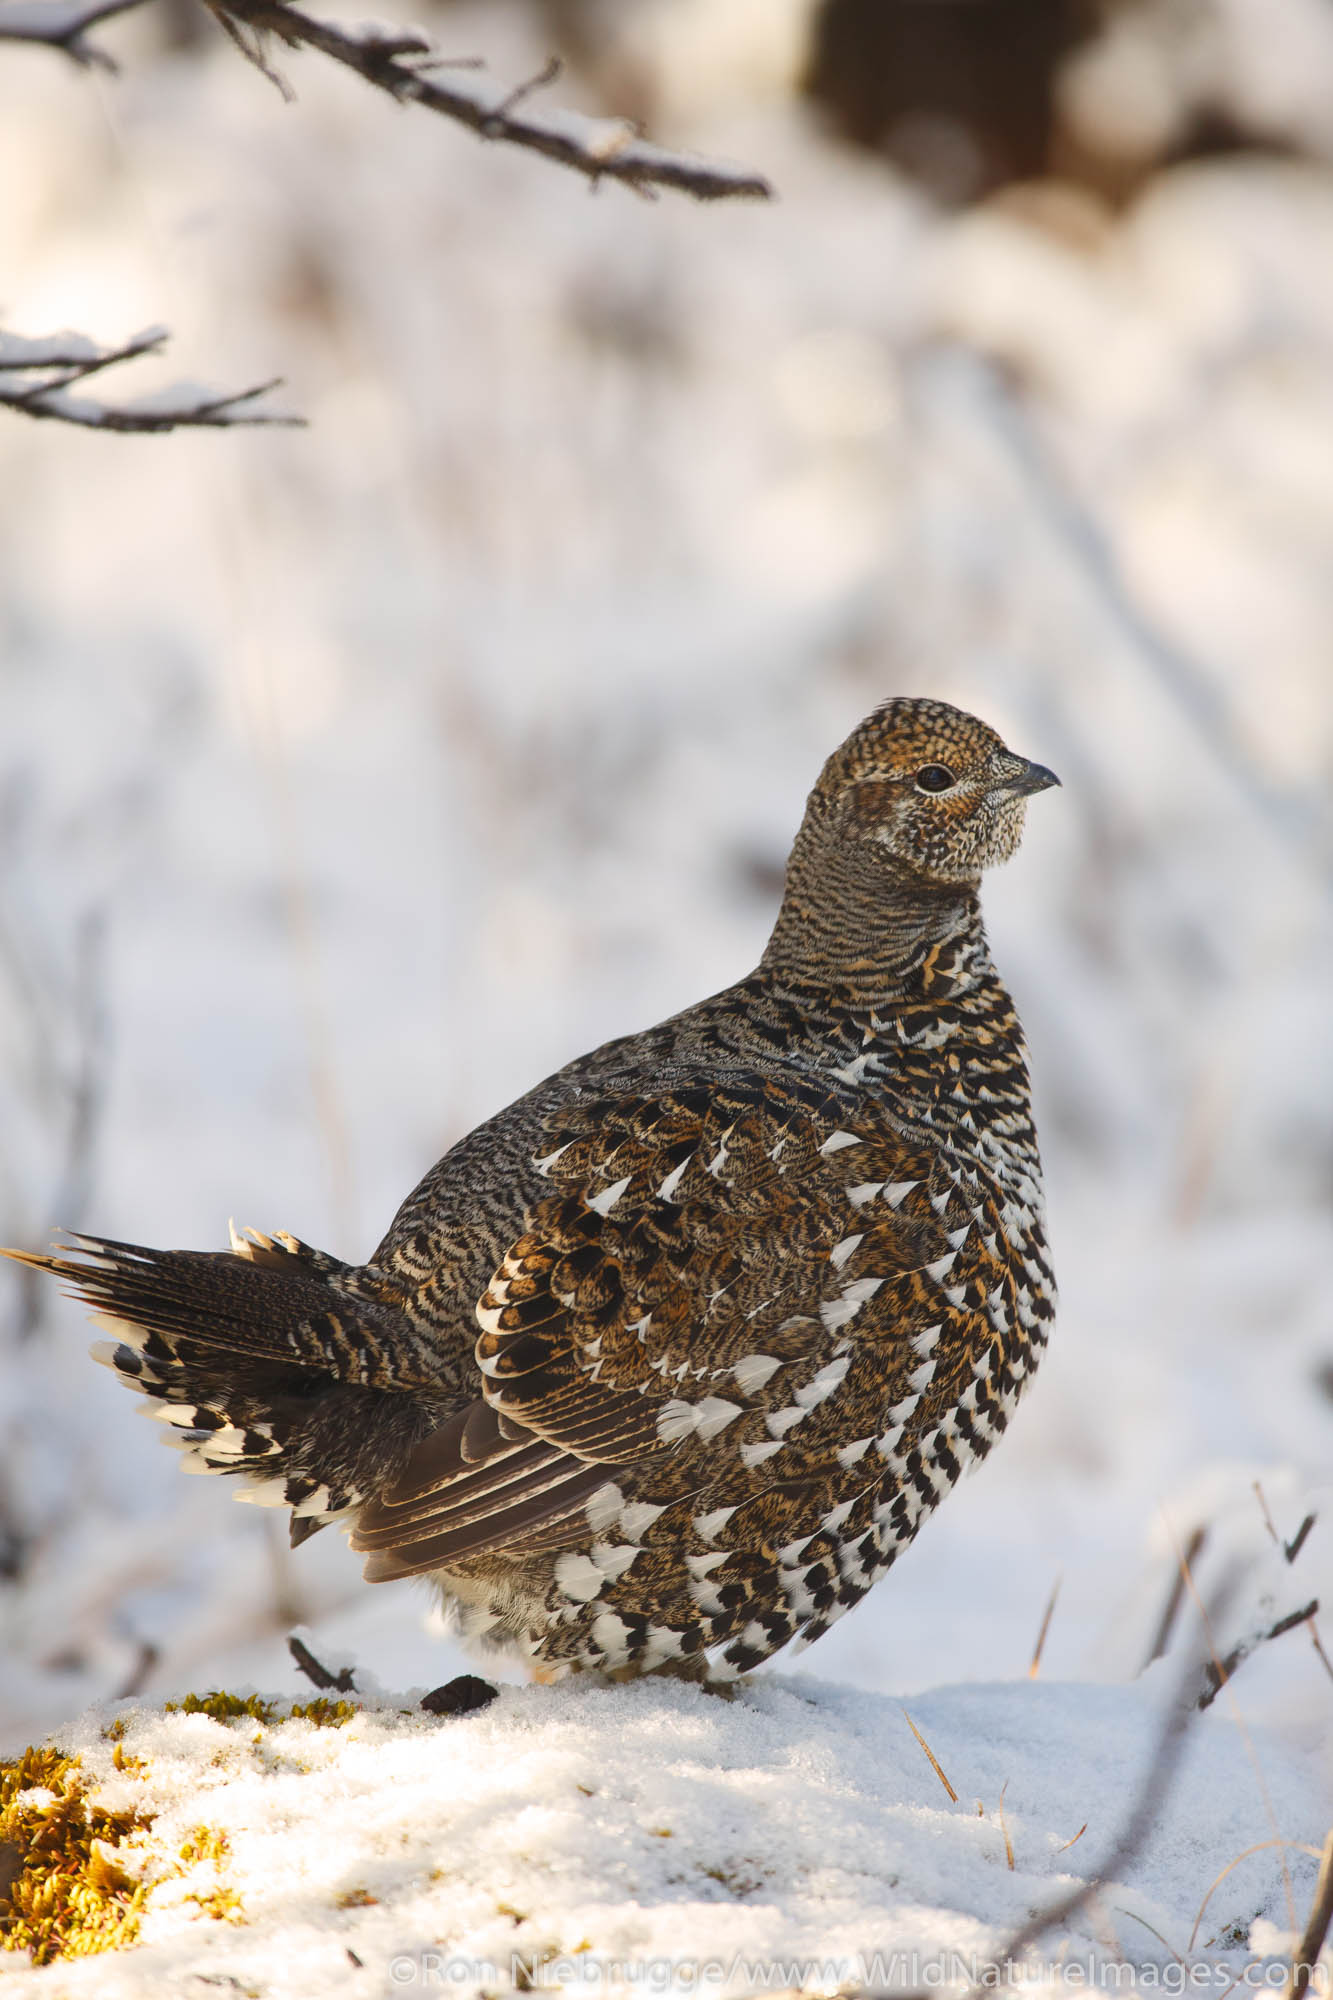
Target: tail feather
262 1363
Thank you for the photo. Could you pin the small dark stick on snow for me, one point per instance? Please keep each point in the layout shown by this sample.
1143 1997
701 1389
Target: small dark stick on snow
315 1671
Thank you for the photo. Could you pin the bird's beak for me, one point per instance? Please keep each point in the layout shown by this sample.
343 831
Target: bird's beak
1022 778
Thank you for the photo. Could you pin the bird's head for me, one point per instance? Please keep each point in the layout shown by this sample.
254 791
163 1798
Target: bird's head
933 786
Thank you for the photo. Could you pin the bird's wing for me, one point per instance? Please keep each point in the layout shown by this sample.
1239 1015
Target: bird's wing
709 1256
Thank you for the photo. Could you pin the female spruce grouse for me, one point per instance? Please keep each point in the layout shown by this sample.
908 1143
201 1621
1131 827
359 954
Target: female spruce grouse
662 1366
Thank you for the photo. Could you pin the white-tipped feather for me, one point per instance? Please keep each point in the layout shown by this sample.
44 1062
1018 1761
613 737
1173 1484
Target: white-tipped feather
123 1330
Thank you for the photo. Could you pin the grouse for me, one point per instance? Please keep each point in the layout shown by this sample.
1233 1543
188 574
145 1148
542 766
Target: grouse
662 1366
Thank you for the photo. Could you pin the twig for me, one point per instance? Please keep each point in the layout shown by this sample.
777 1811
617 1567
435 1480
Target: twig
57 24
37 375
600 148
1316 1929
1292 1548
315 1671
1049 1613
1218 1672
146 1659
1171 1609
547 74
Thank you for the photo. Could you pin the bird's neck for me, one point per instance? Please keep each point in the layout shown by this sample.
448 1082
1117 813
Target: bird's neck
859 927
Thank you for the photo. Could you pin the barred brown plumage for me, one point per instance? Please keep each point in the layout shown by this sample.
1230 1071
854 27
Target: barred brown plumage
662 1366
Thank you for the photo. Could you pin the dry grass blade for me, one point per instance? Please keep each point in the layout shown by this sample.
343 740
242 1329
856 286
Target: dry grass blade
1260 1847
1047 1615
1004 1828
934 1760
1151 1929
1316 1929
1259 1495
1064 1844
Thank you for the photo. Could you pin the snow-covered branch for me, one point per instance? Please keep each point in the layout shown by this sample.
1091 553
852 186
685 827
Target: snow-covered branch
401 61
406 63
63 25
37 376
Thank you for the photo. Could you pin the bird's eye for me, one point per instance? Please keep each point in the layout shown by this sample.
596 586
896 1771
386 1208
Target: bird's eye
934 778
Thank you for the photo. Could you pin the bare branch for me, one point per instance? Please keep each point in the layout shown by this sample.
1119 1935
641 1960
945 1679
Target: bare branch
36 377
399 61
1218 1672
62 24
405 63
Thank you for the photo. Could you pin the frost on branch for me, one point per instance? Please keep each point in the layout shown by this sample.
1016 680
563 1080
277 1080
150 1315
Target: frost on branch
37 376
405 63
401 61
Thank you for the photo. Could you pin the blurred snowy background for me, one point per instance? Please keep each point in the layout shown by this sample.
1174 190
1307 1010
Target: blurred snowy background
353 778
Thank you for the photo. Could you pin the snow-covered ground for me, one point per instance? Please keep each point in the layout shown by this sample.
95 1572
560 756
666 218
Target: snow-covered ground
351 779
657 1837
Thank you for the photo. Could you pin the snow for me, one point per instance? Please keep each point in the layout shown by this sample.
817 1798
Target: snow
656 1837
56 349
352 779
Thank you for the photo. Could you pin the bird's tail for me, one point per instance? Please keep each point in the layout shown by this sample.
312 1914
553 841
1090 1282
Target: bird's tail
269 1362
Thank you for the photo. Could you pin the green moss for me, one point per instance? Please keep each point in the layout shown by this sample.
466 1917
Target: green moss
63 1893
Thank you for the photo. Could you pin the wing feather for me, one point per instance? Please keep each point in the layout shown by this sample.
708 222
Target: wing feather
684 1233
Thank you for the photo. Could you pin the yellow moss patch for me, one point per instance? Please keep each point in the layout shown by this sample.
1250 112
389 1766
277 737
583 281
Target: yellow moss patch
206 1843
325 1714
224 1707
223 1905
63 1892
